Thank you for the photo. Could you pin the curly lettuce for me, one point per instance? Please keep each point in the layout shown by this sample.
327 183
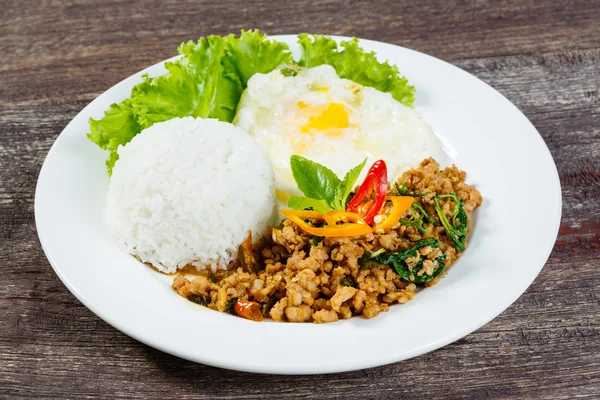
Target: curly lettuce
353 63
198 85
252 53
118 126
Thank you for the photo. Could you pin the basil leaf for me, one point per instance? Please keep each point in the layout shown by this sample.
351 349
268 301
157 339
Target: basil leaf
316 240
316 181
303 203
346 186
458 225
398 258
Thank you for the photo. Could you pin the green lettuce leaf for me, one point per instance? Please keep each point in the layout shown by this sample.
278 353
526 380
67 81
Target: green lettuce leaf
198 85
252 53
354 63
118 126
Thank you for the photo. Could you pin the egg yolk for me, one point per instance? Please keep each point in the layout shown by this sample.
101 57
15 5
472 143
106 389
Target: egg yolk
282 196
334 116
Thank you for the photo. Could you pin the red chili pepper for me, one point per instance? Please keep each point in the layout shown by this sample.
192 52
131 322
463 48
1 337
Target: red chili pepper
371 195
248 309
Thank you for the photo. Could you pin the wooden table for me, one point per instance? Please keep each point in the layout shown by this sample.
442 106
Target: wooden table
57 56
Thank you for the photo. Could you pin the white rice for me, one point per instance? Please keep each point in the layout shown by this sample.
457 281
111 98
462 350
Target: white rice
187 191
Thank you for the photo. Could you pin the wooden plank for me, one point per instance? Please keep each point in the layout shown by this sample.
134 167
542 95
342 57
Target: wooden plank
543 56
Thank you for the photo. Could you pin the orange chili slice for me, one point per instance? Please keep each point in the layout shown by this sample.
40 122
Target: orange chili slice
248 309
401 204
338 223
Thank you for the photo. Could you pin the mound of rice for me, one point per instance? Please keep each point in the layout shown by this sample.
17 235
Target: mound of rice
187 191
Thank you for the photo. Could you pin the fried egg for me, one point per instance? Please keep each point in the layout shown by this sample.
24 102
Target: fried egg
335 122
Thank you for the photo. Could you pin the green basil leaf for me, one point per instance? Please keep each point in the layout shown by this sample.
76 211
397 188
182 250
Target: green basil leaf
303 203
346 186
316 181
398 258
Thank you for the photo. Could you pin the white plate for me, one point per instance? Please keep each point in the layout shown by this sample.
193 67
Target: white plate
515 230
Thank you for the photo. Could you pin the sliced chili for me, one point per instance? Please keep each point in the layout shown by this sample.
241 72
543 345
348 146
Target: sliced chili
248 309
400 205
339 223
369 198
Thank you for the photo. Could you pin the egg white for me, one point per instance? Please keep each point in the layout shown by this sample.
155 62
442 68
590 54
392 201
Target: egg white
333 121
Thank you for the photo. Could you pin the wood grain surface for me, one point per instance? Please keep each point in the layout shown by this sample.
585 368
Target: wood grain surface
57 56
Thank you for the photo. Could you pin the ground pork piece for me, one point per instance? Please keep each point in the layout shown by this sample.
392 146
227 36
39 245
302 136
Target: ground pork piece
320 253
401 296
295 259
350 253
376 281
362 274
387 241
327 291
323 316
337 274
222 299
298 295
320 304
279 251
256 290
372 306
398 296
273 283
345 312
358 302
278 309
324 278
410 291
342 294
369 285
289 236
411 262
273 268
471 196
390 275
181 286
428 267
425 250
371 310
199 286
303 288
380 274
451 254
309 281
298 313
267 253
308 263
